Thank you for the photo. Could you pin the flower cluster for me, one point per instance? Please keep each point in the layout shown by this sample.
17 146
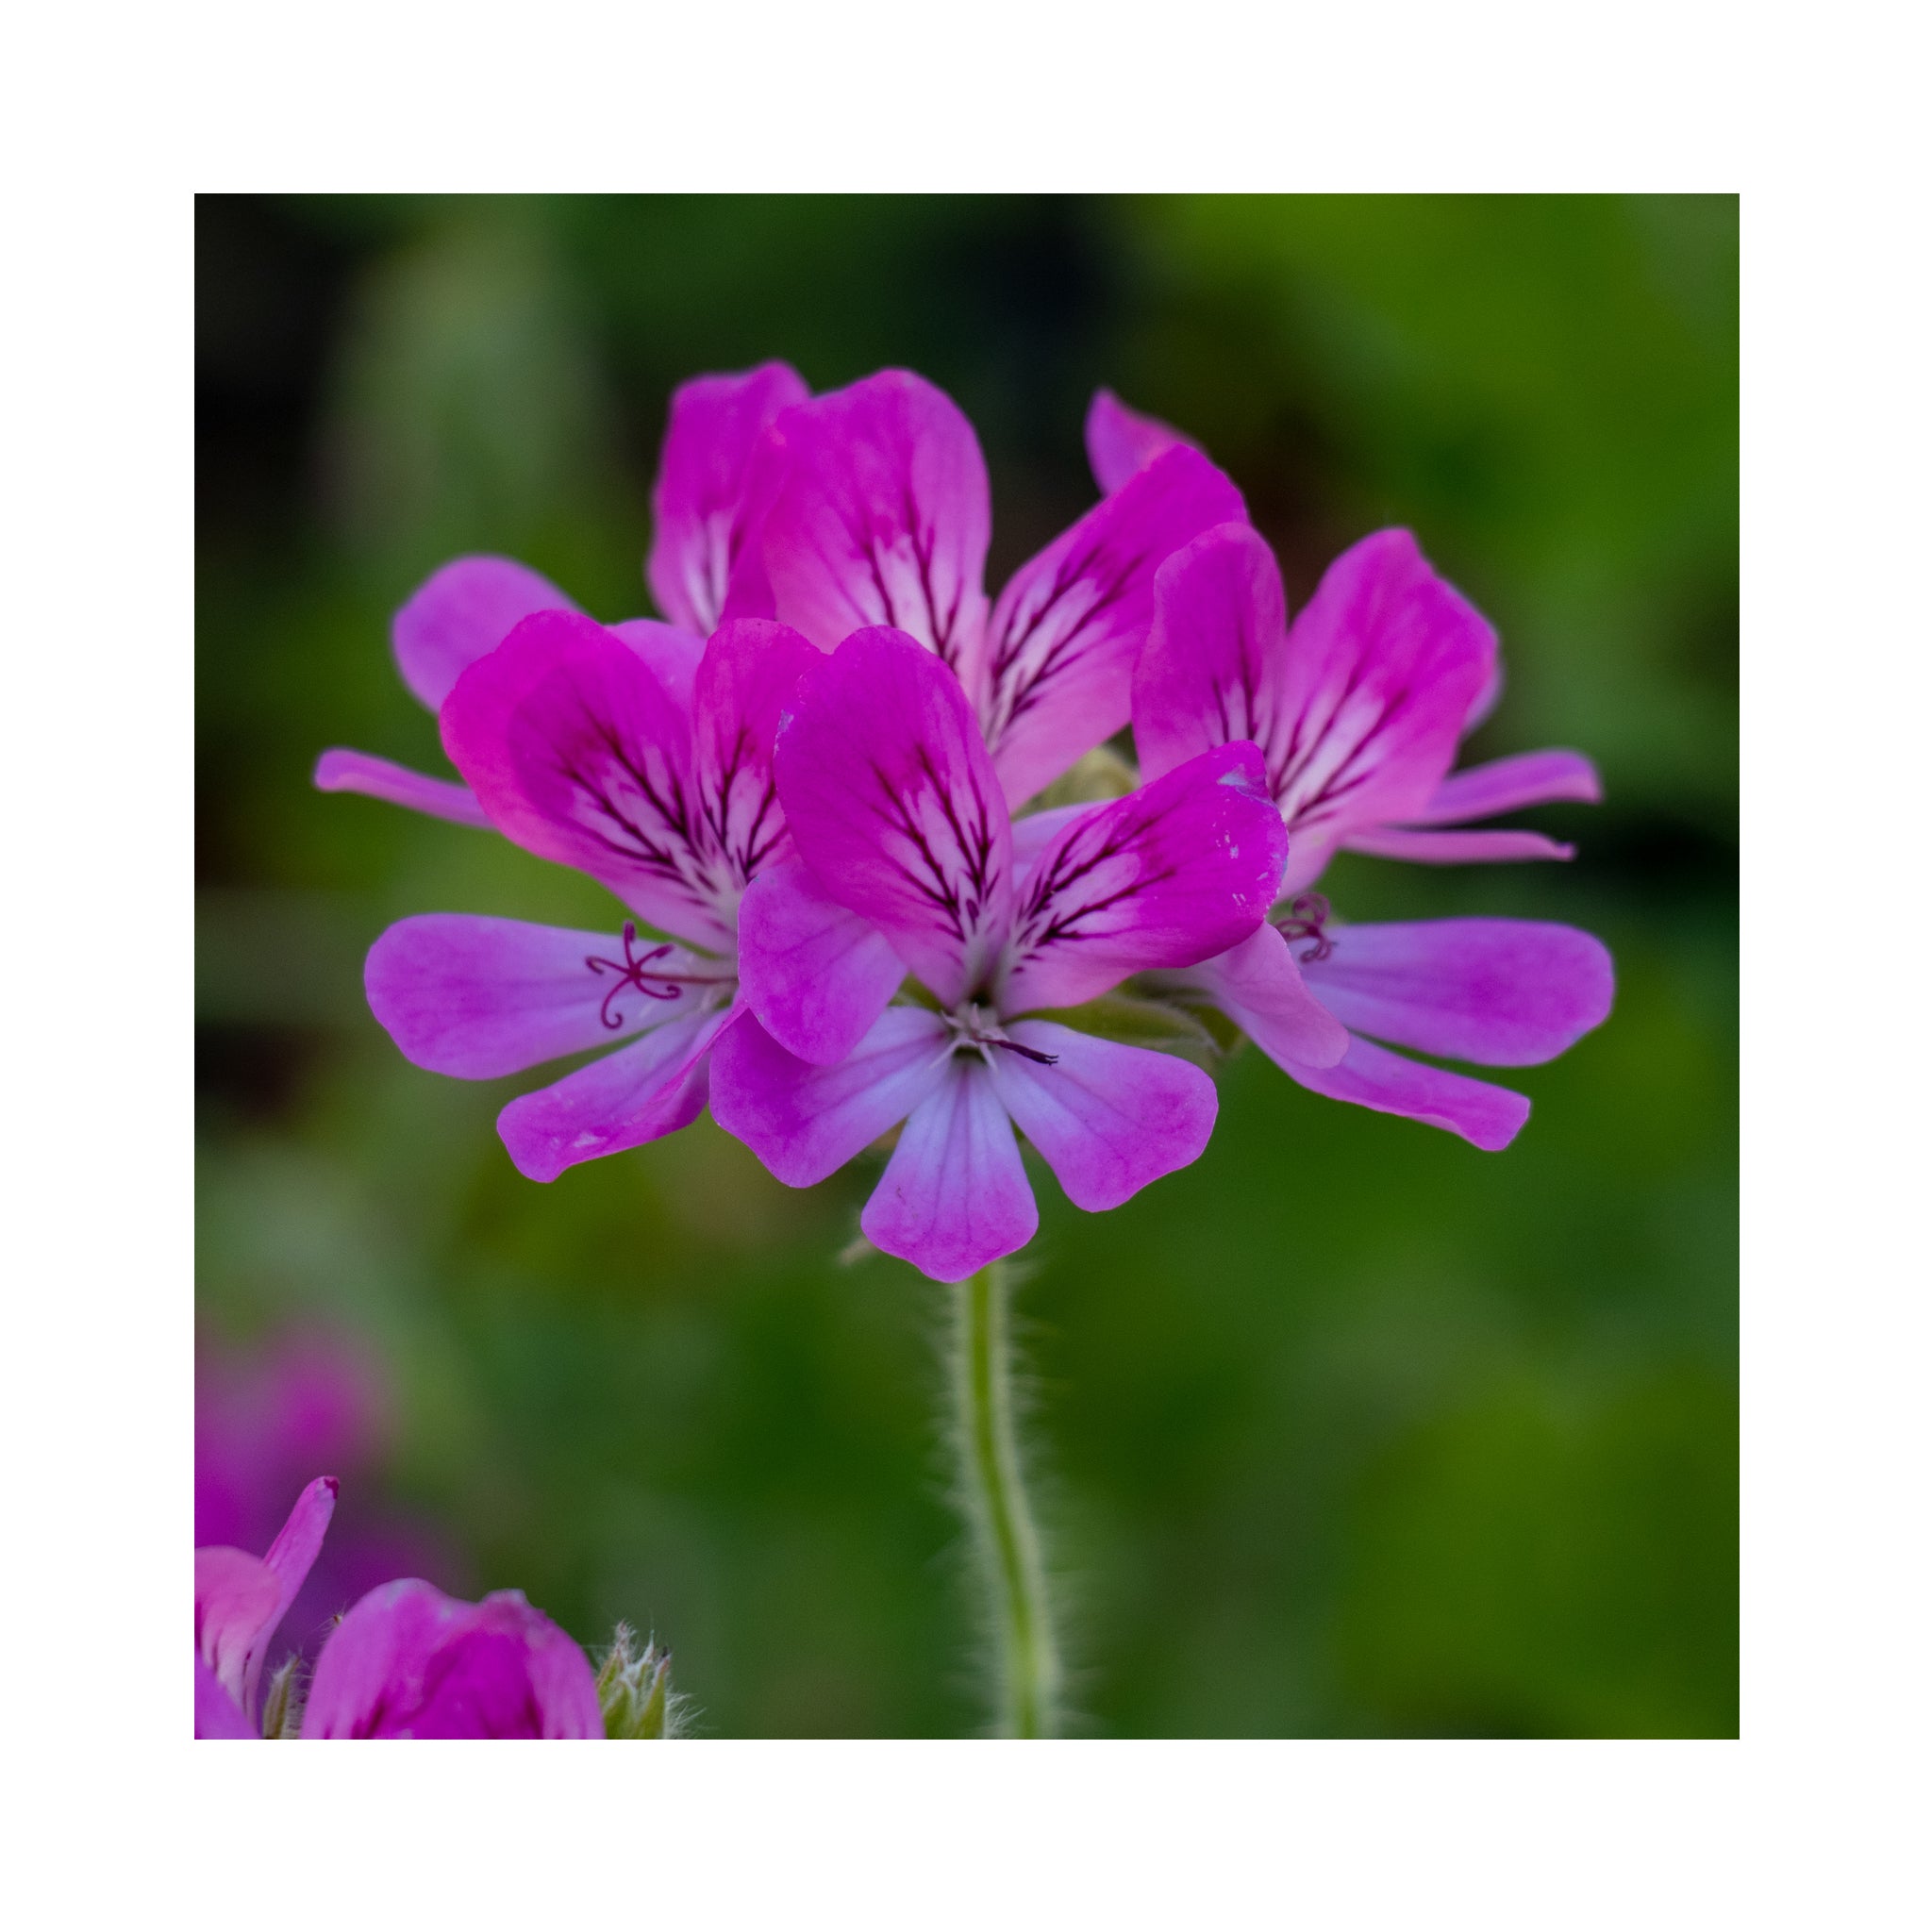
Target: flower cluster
406 1662
821 791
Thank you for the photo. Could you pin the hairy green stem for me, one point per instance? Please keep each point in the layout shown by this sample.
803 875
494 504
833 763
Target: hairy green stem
1007 1545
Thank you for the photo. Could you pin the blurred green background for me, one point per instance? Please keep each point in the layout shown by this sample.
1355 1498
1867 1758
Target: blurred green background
1351 1429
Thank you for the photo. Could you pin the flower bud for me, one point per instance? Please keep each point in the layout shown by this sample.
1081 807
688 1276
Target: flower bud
634 1689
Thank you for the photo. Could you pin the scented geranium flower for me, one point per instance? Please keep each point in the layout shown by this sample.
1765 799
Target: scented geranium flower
408 1662
870 507
895 808
468 607
1358 709
239 1602
655 780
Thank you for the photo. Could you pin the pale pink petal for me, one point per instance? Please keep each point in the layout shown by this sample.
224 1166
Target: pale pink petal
1506 993
672 654
714 424
357 771
816 976
235 1597
892 802
1454 848
480 997
1054 677
1260 987
462 612
744 685
872 509
1171 875
1214 671
1107 1118
639 1094
217 1714
804 1121
1120 440
579 754
1531 777
954 1195
1371 1076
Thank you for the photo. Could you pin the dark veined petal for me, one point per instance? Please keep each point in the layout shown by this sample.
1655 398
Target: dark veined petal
1120 440
1504 992
714 426
1054 677
954 1195
1107 1118
892 802
1169 875
871 508
462 612
578 754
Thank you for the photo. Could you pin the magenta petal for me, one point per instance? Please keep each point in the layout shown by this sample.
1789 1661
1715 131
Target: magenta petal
1487 1116
744 685
1120 440
637 1094
1171 875
241 1600
1037 830
1259 986
1107 1118
357 771
1454 848
817 976
892 802
1532 777
1214 669
672 654
578 752
462 612
1055 674
1381 668
805 1121
955 1195
217 1714
873 509
408 1662
714 426
1505 993
480 997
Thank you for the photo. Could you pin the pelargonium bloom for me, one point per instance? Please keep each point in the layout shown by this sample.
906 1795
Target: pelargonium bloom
468 607
1357 709
239 1602
408 1662
653 778
895 808
870 507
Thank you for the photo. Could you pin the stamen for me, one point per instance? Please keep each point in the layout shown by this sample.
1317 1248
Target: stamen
1308 914
633 969
976 1030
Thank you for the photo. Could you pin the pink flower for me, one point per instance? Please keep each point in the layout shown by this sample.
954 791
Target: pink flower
239 1602
467 607
408 1662
895 807
870 507
1358 709
653 773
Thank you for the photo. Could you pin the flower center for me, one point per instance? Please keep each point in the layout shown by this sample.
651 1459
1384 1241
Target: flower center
639 969
1309 914
972 1026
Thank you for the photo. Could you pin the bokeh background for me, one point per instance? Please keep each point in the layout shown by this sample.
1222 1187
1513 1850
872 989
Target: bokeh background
1350 1428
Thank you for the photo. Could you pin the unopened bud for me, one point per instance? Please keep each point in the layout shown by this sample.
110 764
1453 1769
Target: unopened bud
282 1704
634 1689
